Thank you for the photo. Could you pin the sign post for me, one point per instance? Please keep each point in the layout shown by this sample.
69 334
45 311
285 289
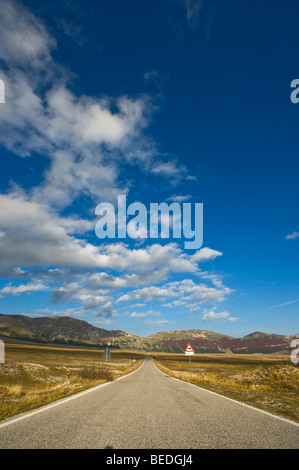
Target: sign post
106 355
2 352
189 351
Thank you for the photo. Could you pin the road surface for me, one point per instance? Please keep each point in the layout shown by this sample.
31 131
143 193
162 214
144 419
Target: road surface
147 410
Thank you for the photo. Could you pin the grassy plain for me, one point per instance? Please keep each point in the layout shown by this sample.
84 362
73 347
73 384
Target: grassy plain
269 382
34 375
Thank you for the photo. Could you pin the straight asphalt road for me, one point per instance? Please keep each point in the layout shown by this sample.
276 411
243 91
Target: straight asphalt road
148 410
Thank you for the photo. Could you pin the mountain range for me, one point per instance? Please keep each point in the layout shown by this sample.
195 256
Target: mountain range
71 331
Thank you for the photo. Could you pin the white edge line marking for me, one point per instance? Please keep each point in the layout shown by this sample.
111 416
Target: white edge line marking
231 399
28 414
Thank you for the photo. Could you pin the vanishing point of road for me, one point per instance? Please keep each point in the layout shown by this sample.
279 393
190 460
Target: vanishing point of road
148 409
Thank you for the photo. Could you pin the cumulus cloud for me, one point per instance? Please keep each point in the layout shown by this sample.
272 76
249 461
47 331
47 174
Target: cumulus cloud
206 254
193 9
32 234
218 316
24 39
148 293
186 291
84 137
292 236
71 30
82 141
198 17
171 170
99 290
23 288
179 198
157 323
90 300
144 314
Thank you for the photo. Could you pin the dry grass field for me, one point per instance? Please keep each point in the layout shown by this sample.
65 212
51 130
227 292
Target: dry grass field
269 382
36 375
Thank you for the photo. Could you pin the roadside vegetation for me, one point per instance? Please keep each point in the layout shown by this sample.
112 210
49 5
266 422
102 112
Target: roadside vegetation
269 382
33 376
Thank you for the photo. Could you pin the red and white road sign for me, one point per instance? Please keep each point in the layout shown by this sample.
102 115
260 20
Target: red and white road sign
189 351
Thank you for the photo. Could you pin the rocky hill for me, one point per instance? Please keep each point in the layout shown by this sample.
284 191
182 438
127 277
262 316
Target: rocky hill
60 330
204 341
70 331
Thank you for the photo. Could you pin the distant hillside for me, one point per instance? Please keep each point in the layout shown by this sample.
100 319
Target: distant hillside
70 331
60 330
176 341
204 341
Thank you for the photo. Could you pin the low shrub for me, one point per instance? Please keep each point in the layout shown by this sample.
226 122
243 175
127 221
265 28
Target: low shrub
96 372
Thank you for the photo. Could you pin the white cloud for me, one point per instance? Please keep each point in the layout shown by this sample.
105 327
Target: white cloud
148 293
84 139
186 291
193 8
214 278
206 254
106 322
35 236
292 236
23 288
90 300
144 314
43 115
176 303
179 198
70 312
199 14
157 323
222 316
170 169
284 304
100 289
71 30
24 39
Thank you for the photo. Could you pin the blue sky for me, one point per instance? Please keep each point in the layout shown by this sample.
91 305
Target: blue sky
169 100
